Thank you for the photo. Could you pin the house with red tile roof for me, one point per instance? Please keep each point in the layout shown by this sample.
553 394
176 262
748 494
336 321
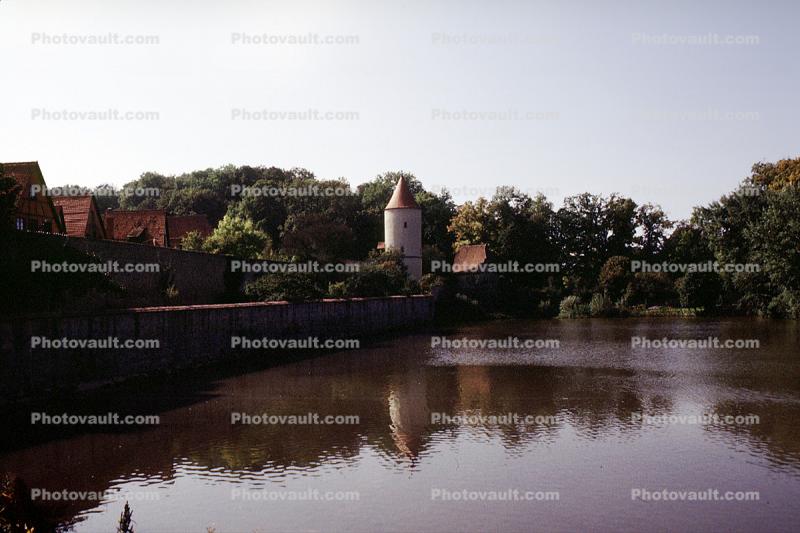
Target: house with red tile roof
179 225
81 216
472 277
469 258
34 210
147 226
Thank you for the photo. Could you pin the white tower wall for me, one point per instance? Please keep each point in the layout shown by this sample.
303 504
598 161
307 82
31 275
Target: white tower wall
403 232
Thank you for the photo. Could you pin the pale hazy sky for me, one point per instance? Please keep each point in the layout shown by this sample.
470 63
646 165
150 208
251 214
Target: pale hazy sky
619 98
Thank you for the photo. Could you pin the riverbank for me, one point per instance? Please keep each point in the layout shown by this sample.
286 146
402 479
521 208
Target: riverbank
52 356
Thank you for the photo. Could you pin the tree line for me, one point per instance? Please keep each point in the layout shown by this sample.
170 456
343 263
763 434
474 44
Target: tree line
595 239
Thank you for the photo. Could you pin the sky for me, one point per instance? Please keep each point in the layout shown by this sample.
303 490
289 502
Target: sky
666 102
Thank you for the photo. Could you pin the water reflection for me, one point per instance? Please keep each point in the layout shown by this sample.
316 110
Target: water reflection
589 388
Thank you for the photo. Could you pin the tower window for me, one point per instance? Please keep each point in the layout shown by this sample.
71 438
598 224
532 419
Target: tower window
402 249
405 224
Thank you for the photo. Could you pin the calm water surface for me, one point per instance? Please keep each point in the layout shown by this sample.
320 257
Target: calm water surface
195 470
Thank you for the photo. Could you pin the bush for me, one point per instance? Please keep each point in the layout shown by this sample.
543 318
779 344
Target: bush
375 282
337 289
429 281
383 274
571 307
238 237
650 288
785 305
285 286
192 241
600 305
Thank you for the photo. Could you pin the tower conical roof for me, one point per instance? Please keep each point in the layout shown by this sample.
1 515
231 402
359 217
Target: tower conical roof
402 197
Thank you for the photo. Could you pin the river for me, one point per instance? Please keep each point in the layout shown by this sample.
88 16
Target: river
610 428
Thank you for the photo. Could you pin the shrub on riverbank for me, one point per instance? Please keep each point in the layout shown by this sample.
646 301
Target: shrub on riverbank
290 287
571 307
383 274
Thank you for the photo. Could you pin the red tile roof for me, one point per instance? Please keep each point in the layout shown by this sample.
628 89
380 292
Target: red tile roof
23 173
468 257
77 210
40 205
402 197
146 226
179 226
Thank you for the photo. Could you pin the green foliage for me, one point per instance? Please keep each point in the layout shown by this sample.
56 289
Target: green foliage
777 176
759 229
9 191
571 307
383 274
650 288
193 241
785 305
615 276
591 229
686 245
429 281
286 286
437 211
337 289
315 236
600 305
472 223
238 237
653 224
699 289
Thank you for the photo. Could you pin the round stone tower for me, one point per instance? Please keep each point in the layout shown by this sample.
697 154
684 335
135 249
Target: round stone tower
402 222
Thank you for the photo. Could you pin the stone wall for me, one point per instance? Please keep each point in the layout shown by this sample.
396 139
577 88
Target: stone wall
197 277
188 336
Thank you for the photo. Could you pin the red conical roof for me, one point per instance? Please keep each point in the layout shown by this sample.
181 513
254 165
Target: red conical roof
402 197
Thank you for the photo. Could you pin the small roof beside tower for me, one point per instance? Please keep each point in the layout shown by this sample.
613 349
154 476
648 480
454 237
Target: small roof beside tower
402 197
